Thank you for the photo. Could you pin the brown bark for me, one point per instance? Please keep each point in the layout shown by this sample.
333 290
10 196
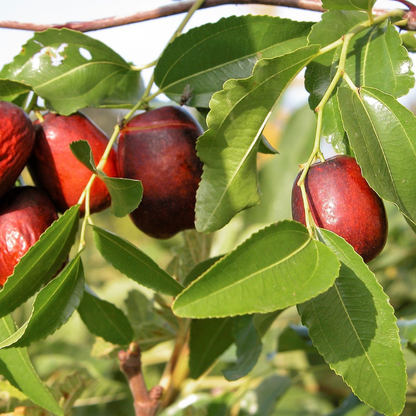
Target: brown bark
182 7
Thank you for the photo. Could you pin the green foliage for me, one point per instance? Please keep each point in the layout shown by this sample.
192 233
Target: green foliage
69 58
205 57
364 335
275 268
39 265
105 320
126 194
272 303
229 183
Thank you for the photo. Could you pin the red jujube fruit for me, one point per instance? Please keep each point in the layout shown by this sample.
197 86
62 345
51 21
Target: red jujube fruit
17 137
25 213
54 168
158 148
341 201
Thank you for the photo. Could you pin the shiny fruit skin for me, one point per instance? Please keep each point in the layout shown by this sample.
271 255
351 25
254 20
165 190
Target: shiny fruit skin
158 148
54 168
25 213
341 201
17 137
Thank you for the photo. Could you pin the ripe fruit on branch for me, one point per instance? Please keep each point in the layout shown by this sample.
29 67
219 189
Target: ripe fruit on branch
341 201
158 148
25 213
17 137
54 168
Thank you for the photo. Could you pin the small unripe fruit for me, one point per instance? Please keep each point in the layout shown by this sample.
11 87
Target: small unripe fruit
158 148
25 213
54 168
341 201
17 137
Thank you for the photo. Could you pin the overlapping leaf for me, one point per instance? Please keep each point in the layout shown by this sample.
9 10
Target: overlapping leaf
348 4
105 320
209 338
354 328
275 268
383 134
376 58
202 59
229 148
135 264
16 367
41 262
126 194
70 70
52 307
10 90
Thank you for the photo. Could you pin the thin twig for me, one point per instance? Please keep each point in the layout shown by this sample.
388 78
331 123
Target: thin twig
145 403
182 7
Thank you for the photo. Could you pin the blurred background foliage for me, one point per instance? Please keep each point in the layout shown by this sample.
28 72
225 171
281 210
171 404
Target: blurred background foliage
290 378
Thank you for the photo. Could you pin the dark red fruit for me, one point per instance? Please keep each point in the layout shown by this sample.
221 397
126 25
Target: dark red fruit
158 148
17 137
341 201
54 168
25 213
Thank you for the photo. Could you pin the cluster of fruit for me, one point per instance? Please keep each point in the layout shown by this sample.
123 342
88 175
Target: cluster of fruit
156 147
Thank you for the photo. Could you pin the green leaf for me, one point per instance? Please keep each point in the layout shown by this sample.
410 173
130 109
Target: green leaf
10 90
277 267
409 40
41 262
348 4
69 58
265 147
200 268
249 347
354 328
390 71
209 338
382 133
202 59
151 325
126 194
136 265
105 320
52 308
229 148
17 368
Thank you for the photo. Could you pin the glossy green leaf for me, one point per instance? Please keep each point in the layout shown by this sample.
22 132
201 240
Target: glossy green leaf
277 267
391 71
377 121
16 367
348 4
229 148
136 265
41 262
409 40
202 59
249 347
151 324
52 308
200 268
126 194
56 60
105 320
10 90
354 328
209 338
